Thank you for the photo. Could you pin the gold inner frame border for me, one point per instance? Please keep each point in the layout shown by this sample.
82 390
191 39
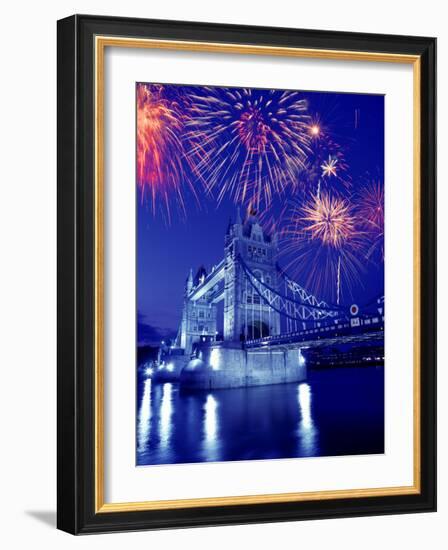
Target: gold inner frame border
100 44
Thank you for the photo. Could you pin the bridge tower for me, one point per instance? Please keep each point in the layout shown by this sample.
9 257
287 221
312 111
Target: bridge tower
198 315
246 316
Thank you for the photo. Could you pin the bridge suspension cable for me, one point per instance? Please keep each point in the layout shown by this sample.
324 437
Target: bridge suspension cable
301 306
304 296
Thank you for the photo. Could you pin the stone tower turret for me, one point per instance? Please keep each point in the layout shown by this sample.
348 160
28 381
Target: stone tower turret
245 314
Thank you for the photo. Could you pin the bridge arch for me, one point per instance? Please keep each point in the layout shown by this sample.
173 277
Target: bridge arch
255 329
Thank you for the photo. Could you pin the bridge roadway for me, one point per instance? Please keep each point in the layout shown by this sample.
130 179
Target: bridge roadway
341 333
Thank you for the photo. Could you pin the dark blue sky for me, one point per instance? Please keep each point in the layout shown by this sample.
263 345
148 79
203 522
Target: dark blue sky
165 253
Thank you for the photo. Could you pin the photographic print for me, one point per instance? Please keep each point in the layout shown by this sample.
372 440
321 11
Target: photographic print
260 274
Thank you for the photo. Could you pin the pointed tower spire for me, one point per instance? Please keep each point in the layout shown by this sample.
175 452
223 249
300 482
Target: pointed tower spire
190 280
238 216
229 226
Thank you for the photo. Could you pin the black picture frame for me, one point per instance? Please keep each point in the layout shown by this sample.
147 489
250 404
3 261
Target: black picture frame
76 286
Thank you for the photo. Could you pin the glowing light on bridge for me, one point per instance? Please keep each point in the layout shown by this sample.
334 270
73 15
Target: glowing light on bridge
215 359
248 144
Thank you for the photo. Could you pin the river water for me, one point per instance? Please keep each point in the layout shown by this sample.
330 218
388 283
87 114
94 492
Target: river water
337 411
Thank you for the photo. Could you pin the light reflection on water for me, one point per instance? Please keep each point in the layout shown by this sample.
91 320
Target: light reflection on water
144 417
210 439
307 431
332 413
210 420
166 410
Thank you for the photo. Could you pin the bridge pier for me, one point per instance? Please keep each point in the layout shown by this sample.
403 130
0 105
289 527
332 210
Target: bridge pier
228 365
171 367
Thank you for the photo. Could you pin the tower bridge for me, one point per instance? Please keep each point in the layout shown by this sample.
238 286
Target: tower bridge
268 318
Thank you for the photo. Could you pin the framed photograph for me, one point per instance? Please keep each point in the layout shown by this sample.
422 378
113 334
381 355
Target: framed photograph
246 274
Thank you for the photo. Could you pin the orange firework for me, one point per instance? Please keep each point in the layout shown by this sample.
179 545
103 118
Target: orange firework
160 173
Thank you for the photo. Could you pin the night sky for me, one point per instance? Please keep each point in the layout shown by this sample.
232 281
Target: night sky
192 235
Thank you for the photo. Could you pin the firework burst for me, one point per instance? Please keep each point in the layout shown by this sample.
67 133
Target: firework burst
370 212
329 167
248 144
326 167
329 220
160 165
322 244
